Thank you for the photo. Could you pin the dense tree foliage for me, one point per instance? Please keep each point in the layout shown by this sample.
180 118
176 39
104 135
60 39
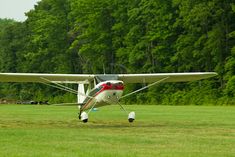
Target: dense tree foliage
135 36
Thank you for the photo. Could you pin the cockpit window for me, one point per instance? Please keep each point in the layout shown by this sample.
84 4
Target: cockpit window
119 84
100 87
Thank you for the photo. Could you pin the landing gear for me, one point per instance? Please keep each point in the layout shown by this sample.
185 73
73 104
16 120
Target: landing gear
131 117
84 117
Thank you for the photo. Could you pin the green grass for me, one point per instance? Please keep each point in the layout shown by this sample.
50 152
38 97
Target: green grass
165 131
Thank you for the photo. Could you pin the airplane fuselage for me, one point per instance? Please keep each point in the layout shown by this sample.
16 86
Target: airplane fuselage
104 93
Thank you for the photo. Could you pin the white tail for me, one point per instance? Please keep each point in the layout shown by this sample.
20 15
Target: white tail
81 97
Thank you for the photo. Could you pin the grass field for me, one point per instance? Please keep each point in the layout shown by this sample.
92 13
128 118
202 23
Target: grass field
165 131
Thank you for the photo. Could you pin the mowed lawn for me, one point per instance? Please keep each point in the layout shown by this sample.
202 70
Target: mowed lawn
159 131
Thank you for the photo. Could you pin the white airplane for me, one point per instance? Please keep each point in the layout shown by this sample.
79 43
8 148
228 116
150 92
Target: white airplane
96 90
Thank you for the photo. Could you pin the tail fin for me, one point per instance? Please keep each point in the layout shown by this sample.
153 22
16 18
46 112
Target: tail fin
80 97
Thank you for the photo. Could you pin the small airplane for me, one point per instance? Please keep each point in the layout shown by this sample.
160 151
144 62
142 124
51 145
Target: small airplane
96 90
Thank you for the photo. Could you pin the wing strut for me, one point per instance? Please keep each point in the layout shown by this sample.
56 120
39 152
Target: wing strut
152 84
62 87
58 87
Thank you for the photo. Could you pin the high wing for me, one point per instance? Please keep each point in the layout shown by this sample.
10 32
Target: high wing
87 78
170 77
40 77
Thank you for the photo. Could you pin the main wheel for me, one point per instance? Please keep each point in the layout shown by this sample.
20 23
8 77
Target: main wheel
84 117
131 117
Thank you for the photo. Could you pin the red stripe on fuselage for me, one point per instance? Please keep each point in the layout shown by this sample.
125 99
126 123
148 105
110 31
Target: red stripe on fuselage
105 88
110 87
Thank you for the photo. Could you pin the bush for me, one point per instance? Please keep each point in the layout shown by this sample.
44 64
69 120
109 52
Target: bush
230 88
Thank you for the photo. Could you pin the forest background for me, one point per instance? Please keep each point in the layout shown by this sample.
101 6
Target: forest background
124 36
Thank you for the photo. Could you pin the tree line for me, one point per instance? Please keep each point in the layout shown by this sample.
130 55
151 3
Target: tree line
120 36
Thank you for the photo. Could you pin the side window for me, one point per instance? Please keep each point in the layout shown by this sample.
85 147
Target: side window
120 84
99 88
